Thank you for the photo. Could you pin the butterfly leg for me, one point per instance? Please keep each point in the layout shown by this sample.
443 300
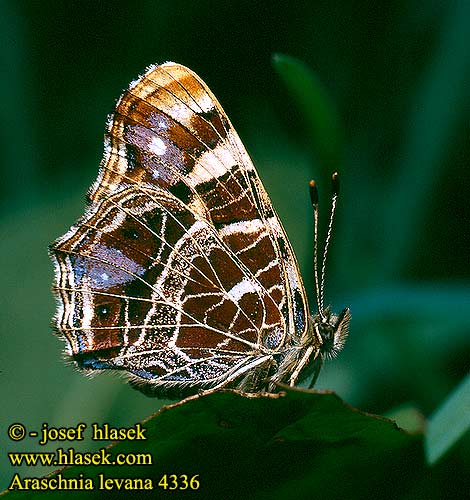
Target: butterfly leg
247 376
257 380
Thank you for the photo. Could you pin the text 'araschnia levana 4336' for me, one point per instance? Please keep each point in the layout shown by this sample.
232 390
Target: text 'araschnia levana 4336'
180 272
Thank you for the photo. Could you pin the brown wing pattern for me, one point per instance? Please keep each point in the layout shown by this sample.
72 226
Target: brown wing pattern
179 272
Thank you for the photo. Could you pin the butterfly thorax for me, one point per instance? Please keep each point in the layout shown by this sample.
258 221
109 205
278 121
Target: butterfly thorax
324 338
331 330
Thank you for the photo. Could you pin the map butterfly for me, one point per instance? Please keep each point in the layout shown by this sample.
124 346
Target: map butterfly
180 273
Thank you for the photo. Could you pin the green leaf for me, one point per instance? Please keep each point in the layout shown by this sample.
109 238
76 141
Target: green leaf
267 446
448 423
316 106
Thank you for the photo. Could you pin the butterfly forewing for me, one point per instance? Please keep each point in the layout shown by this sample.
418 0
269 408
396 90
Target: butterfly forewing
180 271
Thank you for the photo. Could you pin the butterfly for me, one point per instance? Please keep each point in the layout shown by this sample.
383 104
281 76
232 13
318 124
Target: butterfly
180 273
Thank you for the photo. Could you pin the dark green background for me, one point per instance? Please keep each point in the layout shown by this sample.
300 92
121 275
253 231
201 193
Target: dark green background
398 73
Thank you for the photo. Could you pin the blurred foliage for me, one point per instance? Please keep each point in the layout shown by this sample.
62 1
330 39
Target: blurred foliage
314 103
397 75
449 423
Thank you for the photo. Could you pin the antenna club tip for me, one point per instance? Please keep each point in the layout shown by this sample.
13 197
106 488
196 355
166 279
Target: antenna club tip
313 192
335 183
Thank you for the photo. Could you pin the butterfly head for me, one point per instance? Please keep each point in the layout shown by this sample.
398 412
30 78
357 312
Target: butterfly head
331 330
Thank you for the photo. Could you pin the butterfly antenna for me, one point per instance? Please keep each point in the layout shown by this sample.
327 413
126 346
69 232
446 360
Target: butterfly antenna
314 200
334 198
